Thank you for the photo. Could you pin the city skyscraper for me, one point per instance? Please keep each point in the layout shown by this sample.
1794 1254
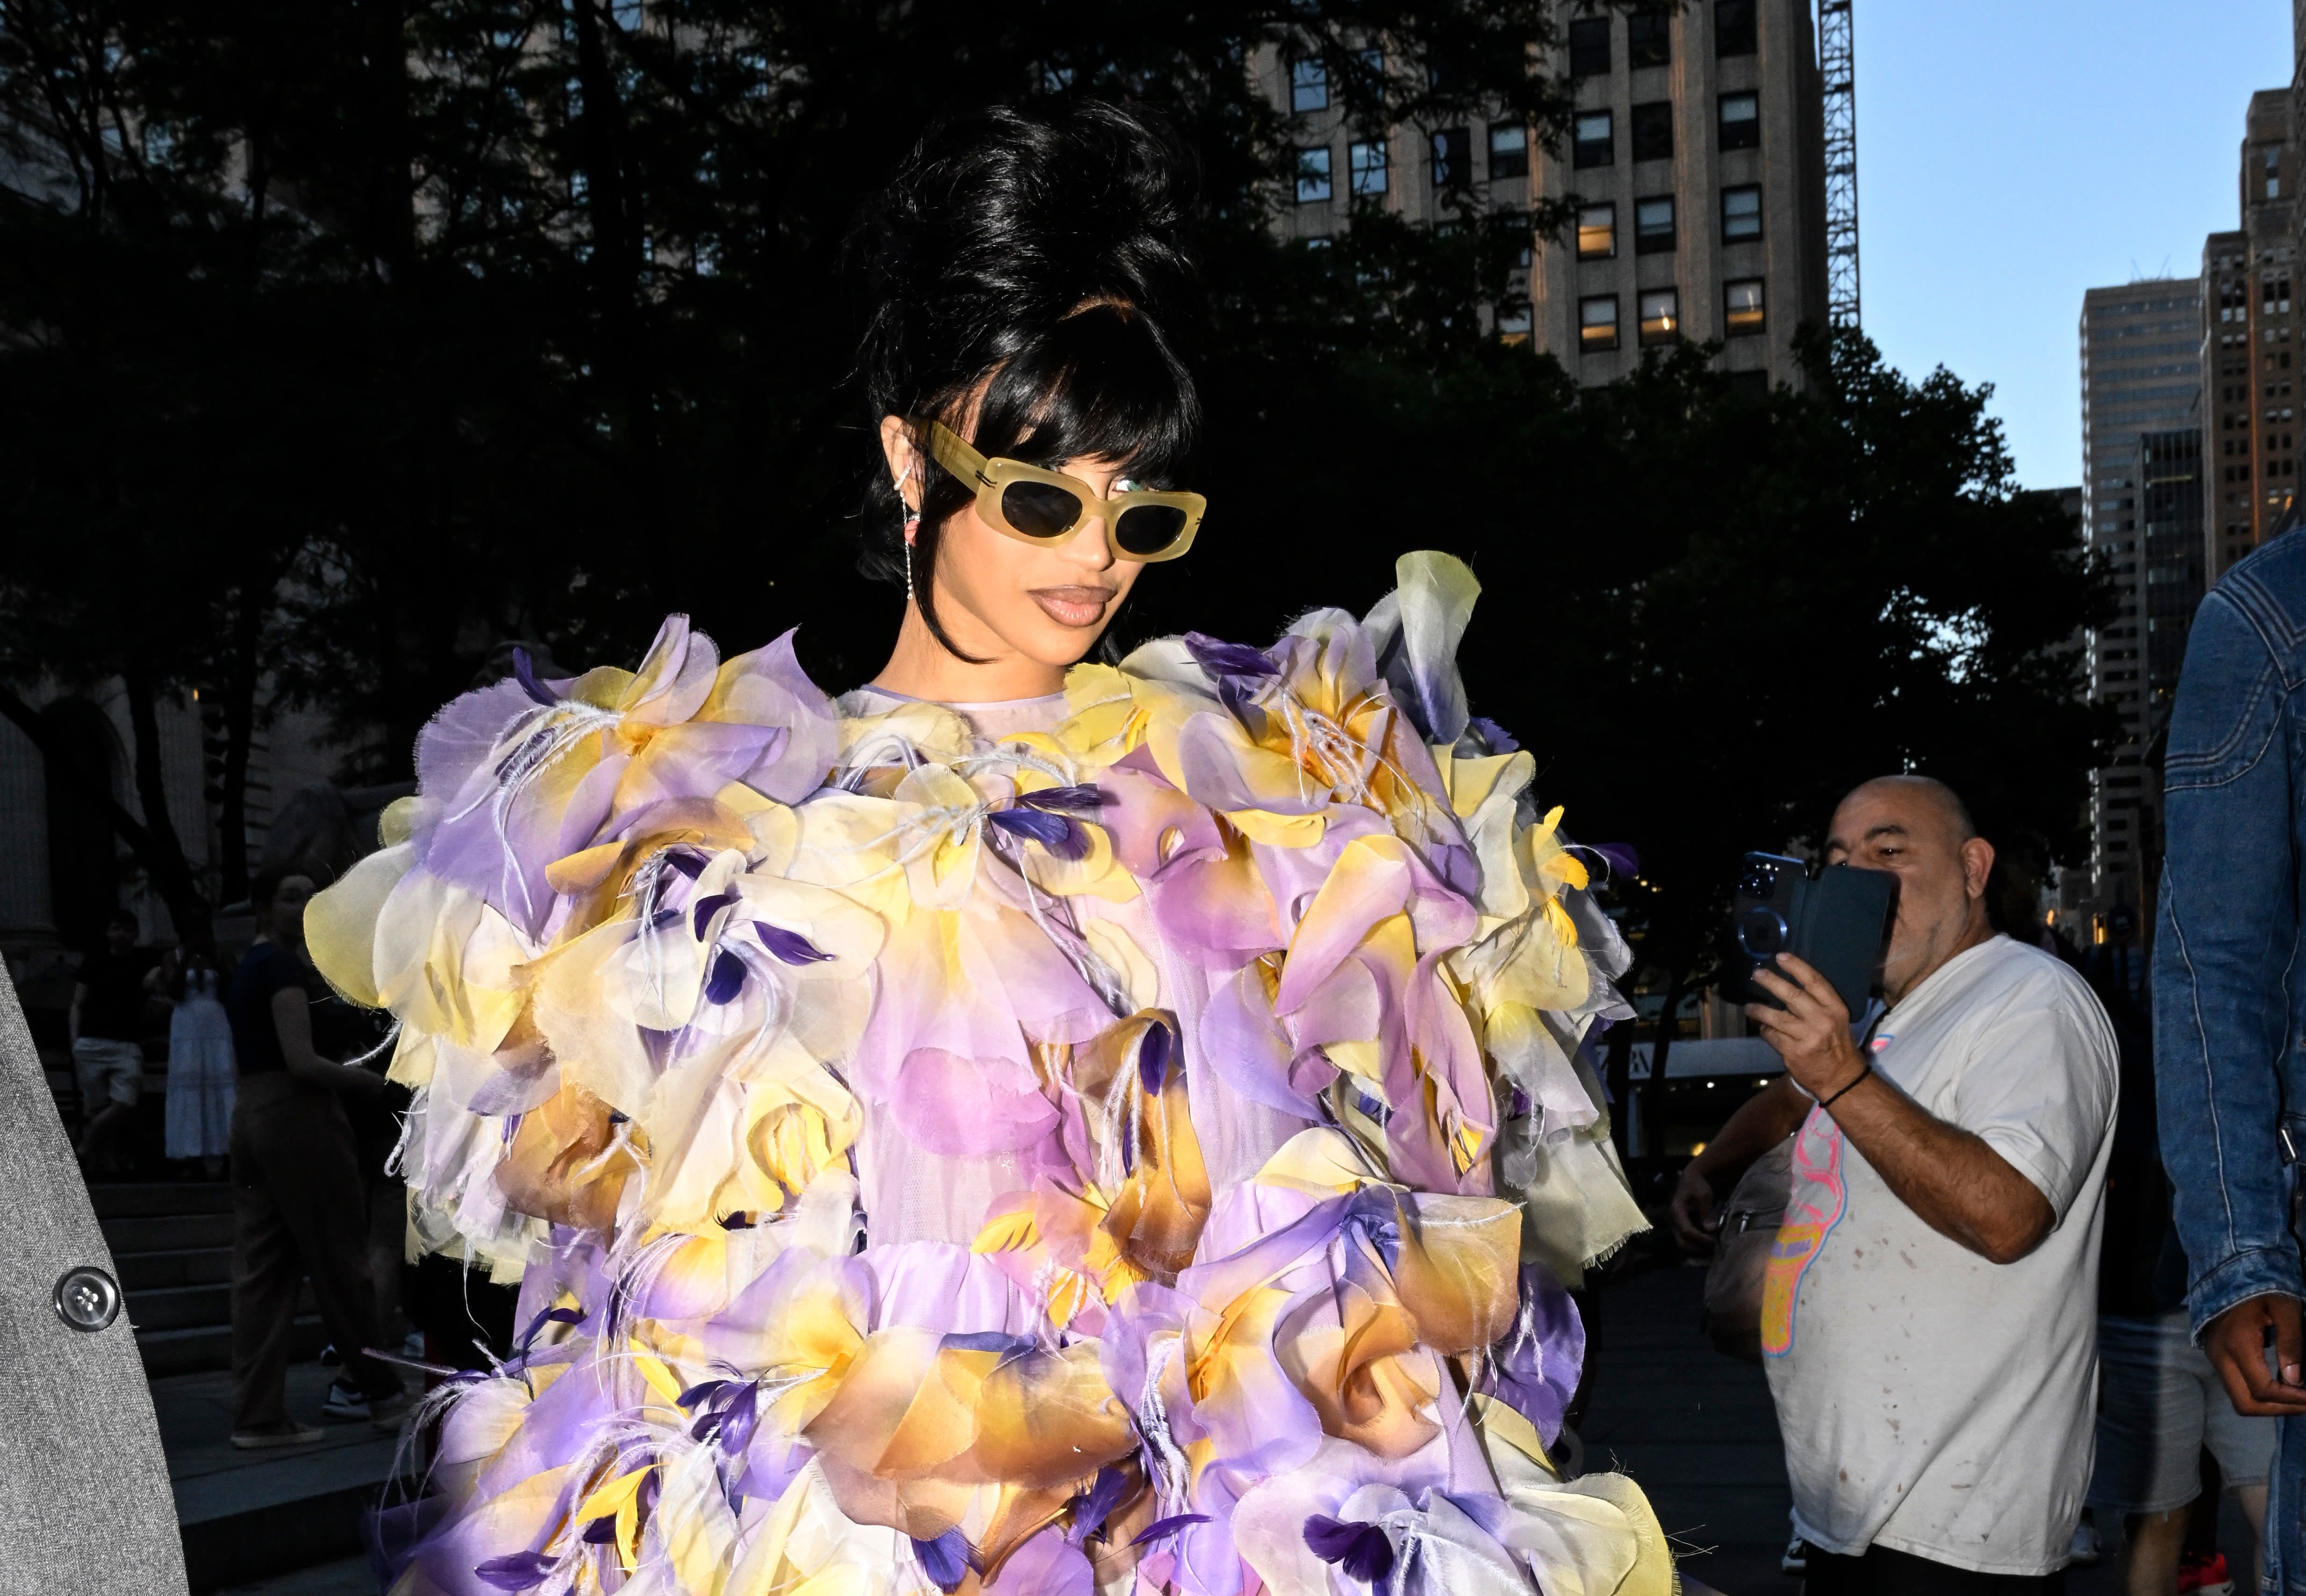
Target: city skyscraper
2251 436
2142 515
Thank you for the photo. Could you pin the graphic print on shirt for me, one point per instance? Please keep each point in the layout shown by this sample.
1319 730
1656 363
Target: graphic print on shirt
1813 1206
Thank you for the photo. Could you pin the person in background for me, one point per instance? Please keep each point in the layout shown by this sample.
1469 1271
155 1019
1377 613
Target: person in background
200 1063
299 1205
2230 1009
1928 1317
110 1017
2159 1401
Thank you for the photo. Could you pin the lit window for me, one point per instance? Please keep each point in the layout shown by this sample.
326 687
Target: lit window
1366 165
1589 47
1509 149
1649 41
1653 225
1593 142
1597 233
1661 315
1653 131
1733 28
1514 320
1597 323
1453 159
1741 122
1742 213
1741 307
1308 86
1312 175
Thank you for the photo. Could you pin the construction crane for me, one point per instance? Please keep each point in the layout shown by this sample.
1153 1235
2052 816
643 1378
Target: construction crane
1837 65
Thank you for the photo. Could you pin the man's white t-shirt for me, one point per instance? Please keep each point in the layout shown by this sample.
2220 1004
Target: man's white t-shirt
1933 1402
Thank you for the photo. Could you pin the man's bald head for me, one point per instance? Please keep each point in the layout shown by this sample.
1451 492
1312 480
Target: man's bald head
1919 829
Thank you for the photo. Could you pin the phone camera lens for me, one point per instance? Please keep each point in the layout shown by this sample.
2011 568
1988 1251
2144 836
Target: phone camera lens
1762 932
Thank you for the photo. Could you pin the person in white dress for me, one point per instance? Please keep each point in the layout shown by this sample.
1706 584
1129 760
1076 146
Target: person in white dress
200 1064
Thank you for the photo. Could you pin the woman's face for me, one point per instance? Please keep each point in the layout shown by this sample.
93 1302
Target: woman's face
284 916
999 598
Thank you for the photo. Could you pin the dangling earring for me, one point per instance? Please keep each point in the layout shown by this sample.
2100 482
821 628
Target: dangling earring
913 525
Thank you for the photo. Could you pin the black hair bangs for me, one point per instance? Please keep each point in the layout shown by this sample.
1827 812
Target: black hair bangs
1102 384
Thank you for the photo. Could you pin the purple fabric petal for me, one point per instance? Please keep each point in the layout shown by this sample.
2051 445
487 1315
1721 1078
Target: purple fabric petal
1170 1525
1360 1549
789 946
1619 856
1094 1506
704 908
523 669
1500 740
515 1571
1085 797
946 1559
728 978
1533 1370
1153 1054
988 1340
1055 832
1219 657
686 860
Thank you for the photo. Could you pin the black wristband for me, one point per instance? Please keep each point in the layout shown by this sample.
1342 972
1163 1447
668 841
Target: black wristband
1864 1070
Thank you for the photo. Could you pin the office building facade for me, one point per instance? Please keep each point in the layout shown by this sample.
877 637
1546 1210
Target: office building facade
1695 158
2250 405
2143 515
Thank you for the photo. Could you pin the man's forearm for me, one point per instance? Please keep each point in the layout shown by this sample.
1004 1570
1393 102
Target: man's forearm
1957 1184
1765 1120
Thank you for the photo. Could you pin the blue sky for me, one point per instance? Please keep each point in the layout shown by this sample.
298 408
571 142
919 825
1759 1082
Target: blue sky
2011 153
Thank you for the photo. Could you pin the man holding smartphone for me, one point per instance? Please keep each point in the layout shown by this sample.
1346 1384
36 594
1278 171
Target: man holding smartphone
1929 1316
2230 1005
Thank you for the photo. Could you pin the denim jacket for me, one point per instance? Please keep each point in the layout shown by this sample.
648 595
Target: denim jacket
2229 1011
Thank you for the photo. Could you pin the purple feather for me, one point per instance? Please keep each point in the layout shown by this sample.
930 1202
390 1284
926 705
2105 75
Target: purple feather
704 908
946 1559
738 1420
1170 1525
1153 1059
1094 1506
1619 856
988 1340
790 947
706 1423
525 668
728 978
700 1392
685 860
1085 797
515 1571
601 1531
1360 1549
1219 657
1055 832
1238 697
739 1220
1500 740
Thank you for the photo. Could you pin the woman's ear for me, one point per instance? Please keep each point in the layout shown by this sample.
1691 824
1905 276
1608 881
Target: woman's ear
904 460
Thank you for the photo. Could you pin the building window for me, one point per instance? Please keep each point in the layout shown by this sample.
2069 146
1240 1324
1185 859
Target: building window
1742 213
1593 143
1661 315
1366 163
1653 125
1742 311
1653 225
1309 85
1649 41
1508 150
1589 47
1453 159
1514 320
1733 28
1597 233
1741 122
1312 175
1597 323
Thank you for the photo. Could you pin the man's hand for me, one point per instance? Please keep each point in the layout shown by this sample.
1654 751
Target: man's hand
1812 1032
1691 1217
2235 1344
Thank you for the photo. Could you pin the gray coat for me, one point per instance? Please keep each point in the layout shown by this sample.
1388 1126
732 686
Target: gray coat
84 1498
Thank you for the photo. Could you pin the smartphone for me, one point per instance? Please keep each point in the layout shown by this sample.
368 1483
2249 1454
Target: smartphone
1838 921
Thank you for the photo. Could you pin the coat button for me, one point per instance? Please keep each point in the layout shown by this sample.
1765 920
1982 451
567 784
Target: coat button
88 1299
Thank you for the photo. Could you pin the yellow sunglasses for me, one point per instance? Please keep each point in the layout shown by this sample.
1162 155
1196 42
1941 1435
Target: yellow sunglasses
1041 507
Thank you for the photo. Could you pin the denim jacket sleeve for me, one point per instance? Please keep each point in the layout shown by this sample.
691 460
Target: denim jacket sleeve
2226 940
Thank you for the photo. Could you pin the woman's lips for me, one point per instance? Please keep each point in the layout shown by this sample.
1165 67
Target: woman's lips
1073 606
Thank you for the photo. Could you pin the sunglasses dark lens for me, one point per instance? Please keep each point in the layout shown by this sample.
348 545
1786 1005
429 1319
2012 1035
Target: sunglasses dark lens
1040 509
1149 528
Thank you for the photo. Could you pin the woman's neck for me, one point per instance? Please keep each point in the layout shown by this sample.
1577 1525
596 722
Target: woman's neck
920 667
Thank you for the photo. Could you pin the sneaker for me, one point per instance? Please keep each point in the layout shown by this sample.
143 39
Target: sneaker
1796 1560
2204 1574
2084 1551
386 1413
345 1401
329 1357
285 1432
